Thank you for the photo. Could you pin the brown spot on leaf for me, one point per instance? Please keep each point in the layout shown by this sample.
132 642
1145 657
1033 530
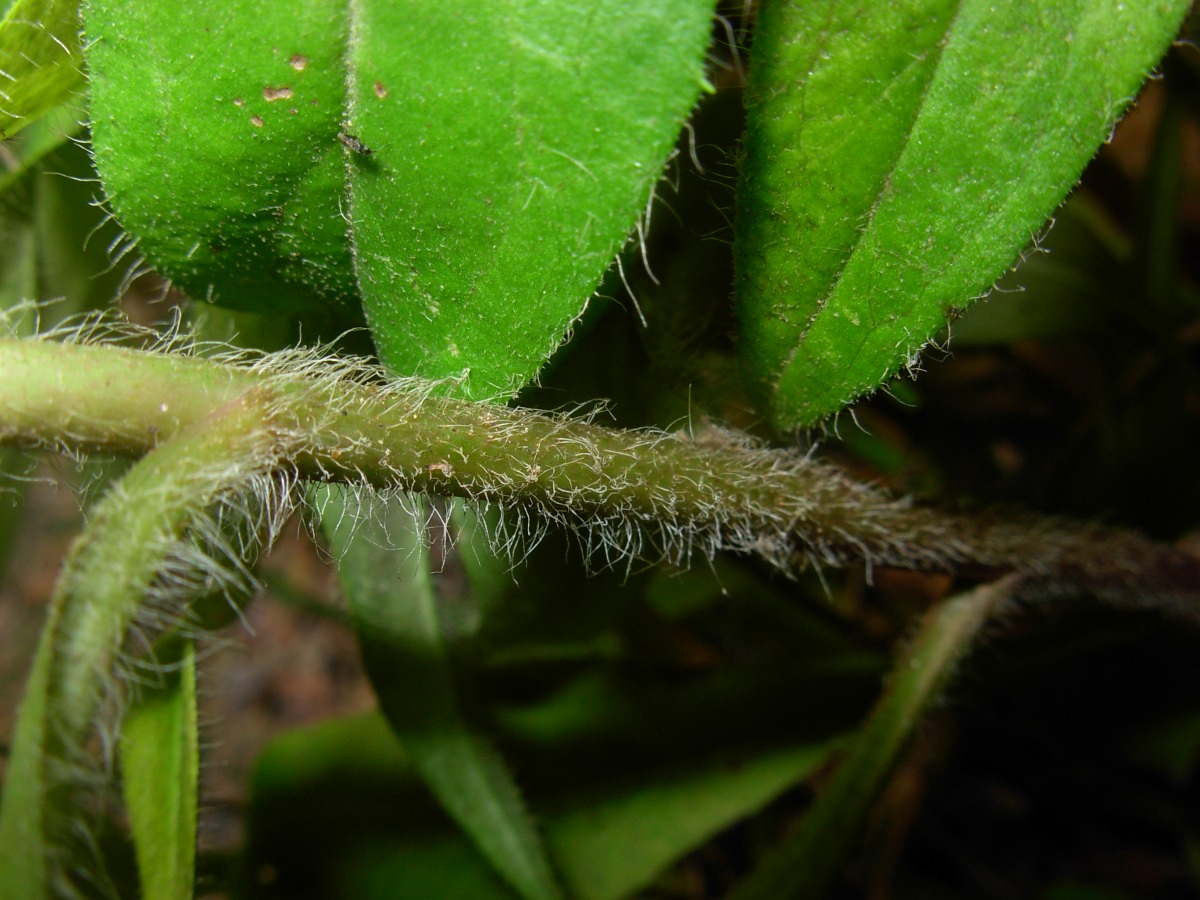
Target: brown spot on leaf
271 94
381 90
298 62
256 121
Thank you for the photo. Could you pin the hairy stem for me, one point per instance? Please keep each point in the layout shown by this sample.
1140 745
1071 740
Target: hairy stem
629 493
148 547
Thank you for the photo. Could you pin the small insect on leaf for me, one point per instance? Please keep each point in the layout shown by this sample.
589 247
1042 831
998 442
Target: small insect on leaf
354 145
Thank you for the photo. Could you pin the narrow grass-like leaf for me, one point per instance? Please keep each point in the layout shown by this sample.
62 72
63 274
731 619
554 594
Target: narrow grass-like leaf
216 136
809 859
619 844
898 158
494 179
26 853
37 141
40 60
609 838
384 569
160 764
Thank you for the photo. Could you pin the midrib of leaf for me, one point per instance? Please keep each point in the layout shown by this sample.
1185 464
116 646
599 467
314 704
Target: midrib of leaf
820 142
1020 99
884 185
867 235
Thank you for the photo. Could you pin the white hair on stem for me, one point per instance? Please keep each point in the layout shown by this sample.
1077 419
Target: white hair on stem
218 487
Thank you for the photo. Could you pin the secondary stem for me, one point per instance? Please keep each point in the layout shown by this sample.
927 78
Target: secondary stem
126 559
807 862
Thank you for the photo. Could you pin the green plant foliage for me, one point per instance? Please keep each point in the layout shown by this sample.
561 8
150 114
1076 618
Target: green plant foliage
216 136
408 662
160 772
887 182
489 187
461 177
618 844
806 863
608 839
40 60
508 168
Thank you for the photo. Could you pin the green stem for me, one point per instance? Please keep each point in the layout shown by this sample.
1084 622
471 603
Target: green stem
629 493
125 559
806 864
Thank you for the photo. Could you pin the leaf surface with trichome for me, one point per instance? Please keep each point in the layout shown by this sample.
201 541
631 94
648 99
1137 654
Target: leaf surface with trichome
215 133
898 157
509 167
486 186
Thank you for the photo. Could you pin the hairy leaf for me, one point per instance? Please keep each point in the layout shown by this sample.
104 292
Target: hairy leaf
898 157
507 168
489 183
216 136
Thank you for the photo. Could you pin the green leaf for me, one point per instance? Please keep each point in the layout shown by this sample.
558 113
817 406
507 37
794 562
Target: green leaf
898 157
41 63
25 852
384 569
608 839
216 136
806 863
491 182
508 167
160 764
619 844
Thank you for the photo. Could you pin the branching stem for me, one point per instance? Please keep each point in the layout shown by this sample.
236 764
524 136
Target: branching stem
631 493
